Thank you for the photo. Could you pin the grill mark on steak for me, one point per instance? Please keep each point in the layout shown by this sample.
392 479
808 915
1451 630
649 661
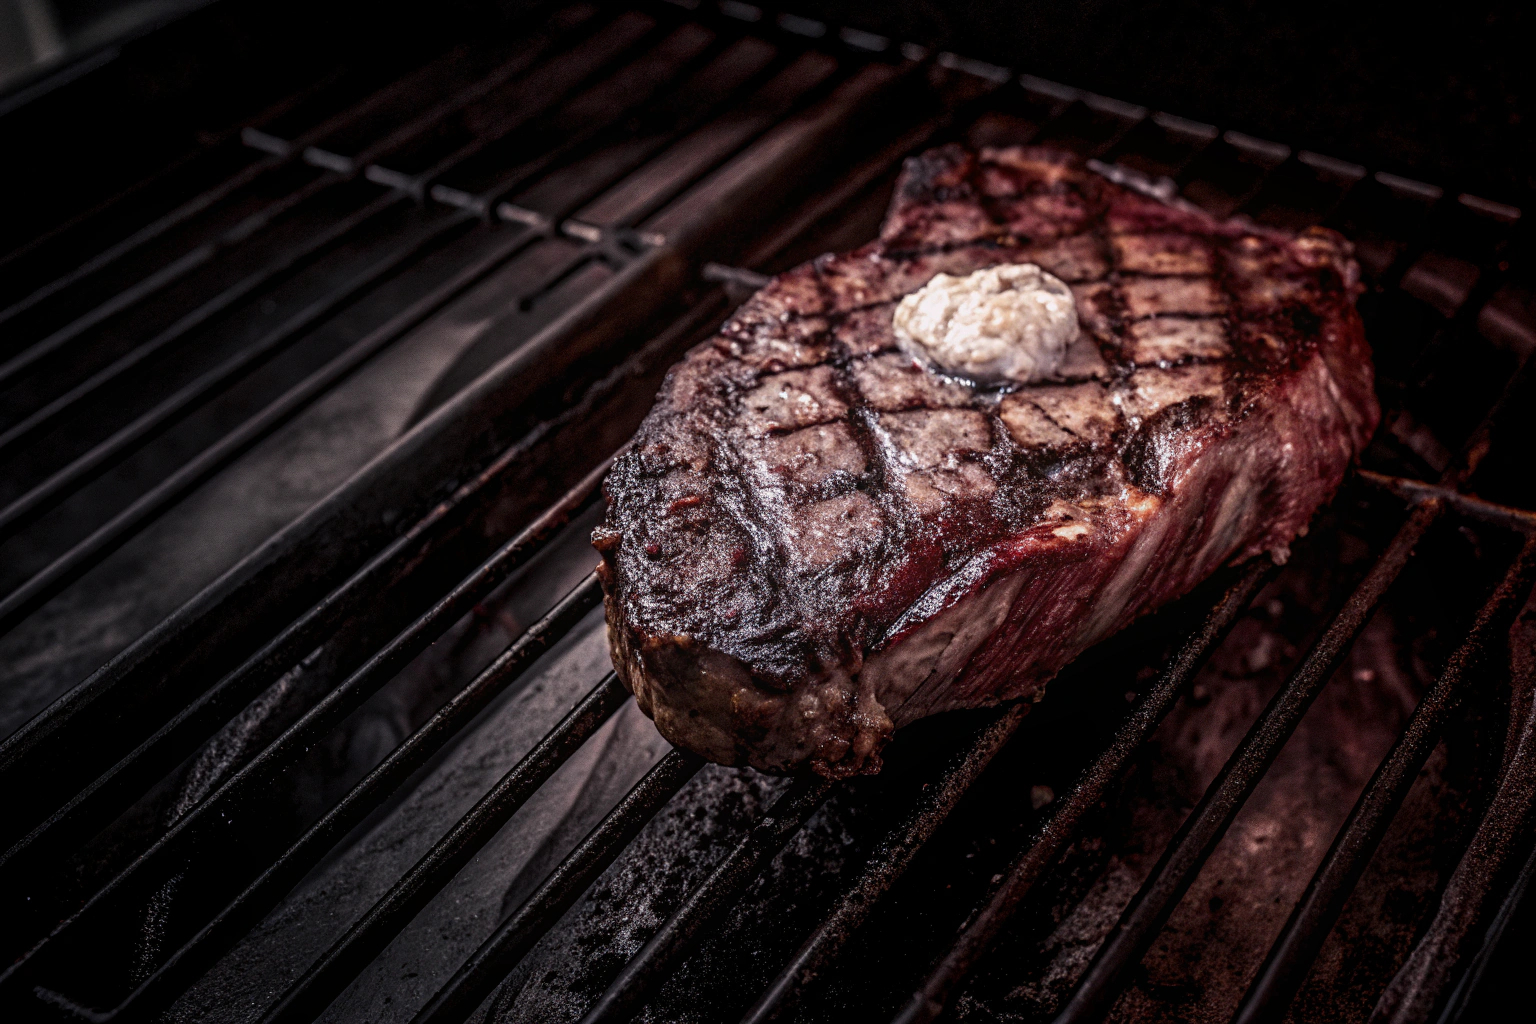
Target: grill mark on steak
813 535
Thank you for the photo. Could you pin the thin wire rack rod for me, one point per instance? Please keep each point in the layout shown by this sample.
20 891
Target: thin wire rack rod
199 953
1291 956
291 261
209 814
173 407
328 976
978 934
292 151
111 792
112 534
887 863
516 936
258 221
1148 911
672 943
1181 861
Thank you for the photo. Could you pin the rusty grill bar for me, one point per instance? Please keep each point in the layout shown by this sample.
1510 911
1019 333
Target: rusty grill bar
760 106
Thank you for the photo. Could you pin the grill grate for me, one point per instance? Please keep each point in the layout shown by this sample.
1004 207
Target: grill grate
601 163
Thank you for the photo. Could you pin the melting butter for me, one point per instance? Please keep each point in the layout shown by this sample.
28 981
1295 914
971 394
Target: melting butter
1005 324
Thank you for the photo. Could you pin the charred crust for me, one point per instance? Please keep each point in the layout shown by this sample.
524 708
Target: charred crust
1150 451
792 496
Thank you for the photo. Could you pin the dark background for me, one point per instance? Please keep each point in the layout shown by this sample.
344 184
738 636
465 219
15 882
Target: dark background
1438 92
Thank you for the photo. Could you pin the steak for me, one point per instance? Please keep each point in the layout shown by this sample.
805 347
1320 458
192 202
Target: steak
815 540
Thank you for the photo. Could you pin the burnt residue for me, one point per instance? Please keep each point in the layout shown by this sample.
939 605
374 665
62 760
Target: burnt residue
669 858
567 972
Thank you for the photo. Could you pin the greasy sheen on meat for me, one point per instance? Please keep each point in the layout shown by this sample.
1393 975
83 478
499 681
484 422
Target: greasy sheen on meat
815 540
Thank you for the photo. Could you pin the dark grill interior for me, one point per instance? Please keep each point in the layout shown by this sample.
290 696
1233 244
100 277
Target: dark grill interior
290 798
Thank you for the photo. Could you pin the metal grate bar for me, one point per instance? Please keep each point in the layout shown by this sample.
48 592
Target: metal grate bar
979 932
886 864
679 105
1226 177
149 285
1493 268
651 188
1090 127
200 822
292 260
178 403
858 179
113 533
1291 957
1475 449
568 73
1472 507
231 135
617 95
1162 146
1413 994
1175 871
246 910
106 797
1304 190
1149 910
326 978
205 200
672 943
517 935
1389 227
563 24
470 427
145 234
74 475
671 100
1457 1005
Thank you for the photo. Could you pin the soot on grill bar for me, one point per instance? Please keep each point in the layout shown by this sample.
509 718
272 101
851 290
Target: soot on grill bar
319 332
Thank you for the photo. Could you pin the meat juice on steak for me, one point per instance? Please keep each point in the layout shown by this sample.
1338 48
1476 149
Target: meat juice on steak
815 540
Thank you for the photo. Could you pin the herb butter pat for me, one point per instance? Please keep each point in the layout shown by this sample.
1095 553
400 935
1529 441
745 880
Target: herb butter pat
1005 324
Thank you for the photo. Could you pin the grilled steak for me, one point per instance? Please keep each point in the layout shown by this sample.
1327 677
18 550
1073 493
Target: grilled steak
816 540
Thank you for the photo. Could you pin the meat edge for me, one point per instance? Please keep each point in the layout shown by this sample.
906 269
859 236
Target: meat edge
837 721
